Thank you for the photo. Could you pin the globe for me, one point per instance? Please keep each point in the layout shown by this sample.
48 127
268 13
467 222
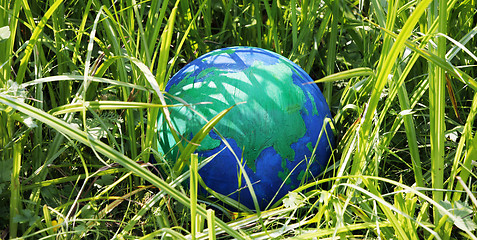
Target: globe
279 134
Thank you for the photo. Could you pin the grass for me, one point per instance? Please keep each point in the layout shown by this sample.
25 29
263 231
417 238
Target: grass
81 84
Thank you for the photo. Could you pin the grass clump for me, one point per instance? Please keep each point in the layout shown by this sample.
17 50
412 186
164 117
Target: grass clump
81 84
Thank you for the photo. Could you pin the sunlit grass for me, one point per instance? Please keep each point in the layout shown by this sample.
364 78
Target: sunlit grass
81 85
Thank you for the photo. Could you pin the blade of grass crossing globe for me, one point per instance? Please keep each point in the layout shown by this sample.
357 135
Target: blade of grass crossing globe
159 82
195 142
163 77
109 152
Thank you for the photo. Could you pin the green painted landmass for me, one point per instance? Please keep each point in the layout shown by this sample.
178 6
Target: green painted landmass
284 174
312 100
309 145
269 118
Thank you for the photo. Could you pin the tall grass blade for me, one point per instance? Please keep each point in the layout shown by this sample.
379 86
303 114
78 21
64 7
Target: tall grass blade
194 172
437 105
411 136
211 223
15 188
331 55
33 40
352 73
12 22
381 80
109 152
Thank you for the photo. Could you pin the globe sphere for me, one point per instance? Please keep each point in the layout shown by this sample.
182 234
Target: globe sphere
280 133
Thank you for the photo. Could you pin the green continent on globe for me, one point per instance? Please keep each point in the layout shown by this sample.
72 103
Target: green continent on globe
269 118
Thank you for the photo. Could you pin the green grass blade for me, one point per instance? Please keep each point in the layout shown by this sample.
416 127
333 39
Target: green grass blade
142 35
441 62
112 32
211 223
6 58
387 207
352 73
437 107
109 152
166 38
194 172
81 78
411 136
381 80
195 142
15 188
461 167
293 9
104 105
80 32
331 55
33 40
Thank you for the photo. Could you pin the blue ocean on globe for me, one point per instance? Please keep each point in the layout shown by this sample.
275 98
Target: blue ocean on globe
282 121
